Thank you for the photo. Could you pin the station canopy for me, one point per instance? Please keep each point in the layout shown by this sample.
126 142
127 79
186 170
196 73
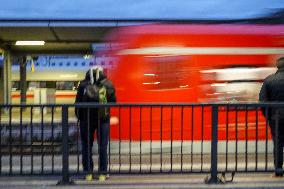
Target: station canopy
60 37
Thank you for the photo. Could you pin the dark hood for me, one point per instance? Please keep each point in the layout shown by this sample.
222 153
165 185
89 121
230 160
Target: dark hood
280 63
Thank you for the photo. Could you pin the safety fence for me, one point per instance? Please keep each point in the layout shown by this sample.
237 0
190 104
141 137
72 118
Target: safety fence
143 138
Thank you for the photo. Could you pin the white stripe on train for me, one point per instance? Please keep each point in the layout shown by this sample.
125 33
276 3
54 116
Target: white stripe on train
201 50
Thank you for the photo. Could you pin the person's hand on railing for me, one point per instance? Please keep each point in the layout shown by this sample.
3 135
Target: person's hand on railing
114 120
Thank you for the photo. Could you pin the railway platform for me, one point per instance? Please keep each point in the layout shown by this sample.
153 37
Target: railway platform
251 180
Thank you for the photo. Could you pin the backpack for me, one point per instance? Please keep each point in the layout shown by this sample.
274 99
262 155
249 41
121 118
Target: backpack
91 93
95 93
104 112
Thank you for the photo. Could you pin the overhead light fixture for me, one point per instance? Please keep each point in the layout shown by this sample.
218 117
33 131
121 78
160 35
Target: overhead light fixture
30 43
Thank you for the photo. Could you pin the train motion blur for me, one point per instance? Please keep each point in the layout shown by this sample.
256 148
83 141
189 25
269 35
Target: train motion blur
182 64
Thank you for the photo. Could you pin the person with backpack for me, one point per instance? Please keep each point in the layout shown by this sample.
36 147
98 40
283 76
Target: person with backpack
95 88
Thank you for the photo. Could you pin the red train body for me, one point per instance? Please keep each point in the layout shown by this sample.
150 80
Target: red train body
191 64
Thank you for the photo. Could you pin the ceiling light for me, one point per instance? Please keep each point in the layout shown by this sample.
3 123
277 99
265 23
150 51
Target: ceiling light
30 43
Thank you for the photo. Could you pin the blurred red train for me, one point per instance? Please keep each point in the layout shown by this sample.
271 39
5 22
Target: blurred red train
191 63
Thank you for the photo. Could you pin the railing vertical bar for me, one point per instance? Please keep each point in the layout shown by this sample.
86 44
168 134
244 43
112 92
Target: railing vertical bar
151 140
246 135
130 136
256 141
236 129
214 146
77 146
119 136
214 143
266 137
109 150
0 140
32 147
276 143
89 140
21 140
161 142
227 134
171 133
10 141
140 139
202 135
52 140
181 136
192 127
42 153
65 147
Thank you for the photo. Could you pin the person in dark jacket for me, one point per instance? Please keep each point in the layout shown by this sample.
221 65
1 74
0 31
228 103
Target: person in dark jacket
90 121
273 90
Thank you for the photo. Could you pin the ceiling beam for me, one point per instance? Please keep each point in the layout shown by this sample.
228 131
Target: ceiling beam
54 34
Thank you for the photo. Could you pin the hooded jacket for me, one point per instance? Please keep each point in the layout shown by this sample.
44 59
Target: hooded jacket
273 90
101 79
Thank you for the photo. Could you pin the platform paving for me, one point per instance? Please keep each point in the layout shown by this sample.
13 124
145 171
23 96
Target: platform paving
251 180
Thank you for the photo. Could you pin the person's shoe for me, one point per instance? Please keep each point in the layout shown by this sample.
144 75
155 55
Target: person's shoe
102 178
278 173
107 176
89 177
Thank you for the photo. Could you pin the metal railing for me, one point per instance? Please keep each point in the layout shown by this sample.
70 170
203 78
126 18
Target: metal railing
148 138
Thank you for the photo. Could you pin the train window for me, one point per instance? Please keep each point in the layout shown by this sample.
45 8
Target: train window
50 84
238 84
166 73
76 85
66 85
30 84
33 85
42 84
15 85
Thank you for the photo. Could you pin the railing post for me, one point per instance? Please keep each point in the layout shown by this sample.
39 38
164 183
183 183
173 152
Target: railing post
214 147
65 148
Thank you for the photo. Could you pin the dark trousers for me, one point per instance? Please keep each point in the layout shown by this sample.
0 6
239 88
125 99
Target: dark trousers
87 137
278 142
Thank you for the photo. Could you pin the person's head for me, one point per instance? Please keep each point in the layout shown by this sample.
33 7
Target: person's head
95 74
280 63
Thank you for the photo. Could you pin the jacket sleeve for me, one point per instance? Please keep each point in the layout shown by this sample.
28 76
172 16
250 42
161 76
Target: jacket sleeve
264 96
79 98
113 96
111 92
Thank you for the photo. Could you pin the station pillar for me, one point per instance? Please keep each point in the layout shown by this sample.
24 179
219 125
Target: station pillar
23 79
5 78
1 76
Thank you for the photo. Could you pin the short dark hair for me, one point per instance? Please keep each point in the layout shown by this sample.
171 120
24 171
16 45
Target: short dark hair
280 62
